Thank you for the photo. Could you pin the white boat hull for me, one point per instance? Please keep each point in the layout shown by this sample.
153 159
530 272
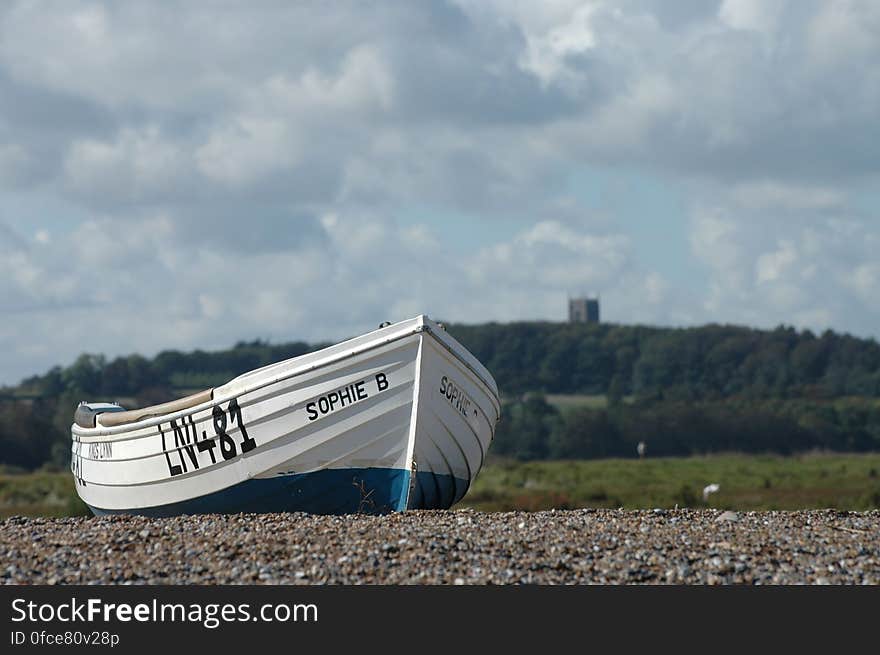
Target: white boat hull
397 419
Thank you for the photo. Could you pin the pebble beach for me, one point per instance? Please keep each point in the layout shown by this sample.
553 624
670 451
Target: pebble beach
588 546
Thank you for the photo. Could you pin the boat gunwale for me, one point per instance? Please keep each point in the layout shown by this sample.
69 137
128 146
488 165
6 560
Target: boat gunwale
121 432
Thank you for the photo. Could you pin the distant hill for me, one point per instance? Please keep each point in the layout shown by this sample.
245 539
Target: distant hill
708 362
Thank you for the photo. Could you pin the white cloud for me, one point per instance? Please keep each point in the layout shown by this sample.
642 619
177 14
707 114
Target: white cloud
292 170
547 52
247 150
815 273
363 84
757 15
844 30
137 164
864 280
14 162
772 265
788 197
552 257
714 238
278 123
144 288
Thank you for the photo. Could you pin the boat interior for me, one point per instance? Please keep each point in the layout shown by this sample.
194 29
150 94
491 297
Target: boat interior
86 416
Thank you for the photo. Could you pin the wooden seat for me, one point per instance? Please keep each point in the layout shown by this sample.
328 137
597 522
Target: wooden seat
112 419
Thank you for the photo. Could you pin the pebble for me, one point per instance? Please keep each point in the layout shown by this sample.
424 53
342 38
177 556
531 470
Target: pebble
589 546
727 516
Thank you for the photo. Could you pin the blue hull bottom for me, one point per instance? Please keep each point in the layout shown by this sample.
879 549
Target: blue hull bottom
436 491
330 491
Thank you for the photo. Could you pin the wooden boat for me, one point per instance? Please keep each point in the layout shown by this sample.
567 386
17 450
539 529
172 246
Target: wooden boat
399 418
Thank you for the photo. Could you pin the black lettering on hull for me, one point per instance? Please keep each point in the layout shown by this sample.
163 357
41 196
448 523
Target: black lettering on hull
188 448
456 397
344 397
173 469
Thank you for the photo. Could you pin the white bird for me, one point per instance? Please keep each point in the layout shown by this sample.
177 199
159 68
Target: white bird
710 489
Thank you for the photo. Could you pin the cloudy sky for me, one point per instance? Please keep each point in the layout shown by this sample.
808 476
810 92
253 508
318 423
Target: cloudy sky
175 175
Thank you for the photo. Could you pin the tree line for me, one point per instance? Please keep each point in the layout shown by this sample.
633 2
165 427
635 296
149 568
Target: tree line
681 390
533 428
698 363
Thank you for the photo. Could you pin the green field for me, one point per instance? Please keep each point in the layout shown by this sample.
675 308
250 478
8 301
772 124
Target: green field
747 482
39 494
567 401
